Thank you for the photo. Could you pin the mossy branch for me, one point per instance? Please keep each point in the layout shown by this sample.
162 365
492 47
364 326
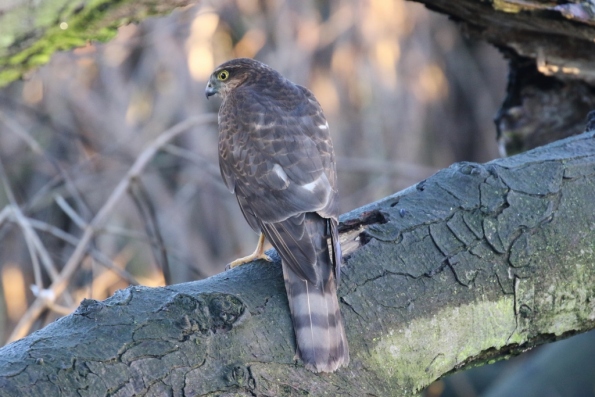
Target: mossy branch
30 32
477 263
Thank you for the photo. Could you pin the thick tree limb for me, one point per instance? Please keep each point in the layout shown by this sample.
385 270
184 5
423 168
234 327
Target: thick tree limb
477 263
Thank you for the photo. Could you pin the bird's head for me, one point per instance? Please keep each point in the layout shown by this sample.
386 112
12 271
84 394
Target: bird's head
234 73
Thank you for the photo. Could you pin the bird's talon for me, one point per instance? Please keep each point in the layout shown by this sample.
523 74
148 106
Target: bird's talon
247 259
257 254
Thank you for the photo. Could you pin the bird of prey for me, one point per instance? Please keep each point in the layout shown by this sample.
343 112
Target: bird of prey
276 155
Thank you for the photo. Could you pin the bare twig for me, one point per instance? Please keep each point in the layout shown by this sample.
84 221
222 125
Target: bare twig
63 310
68 210
49 298
118 231
18 130
95 254
32 240
59 285
197 159
4 215
147 212
21 132
32 253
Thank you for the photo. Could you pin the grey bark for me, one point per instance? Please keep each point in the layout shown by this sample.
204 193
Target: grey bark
477 263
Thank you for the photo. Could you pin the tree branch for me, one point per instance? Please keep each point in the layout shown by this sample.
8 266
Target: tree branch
551 85
477 263
31 32
558 36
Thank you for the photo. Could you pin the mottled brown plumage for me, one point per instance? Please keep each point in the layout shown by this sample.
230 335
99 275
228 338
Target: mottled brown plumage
276 155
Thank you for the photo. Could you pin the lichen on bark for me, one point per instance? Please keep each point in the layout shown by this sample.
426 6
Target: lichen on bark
30 32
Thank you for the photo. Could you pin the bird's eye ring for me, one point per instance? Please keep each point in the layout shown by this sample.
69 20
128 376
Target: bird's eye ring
223 75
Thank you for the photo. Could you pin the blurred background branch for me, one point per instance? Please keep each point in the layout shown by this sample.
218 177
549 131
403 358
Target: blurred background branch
46 298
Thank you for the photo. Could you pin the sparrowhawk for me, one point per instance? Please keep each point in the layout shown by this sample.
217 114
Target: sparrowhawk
276 155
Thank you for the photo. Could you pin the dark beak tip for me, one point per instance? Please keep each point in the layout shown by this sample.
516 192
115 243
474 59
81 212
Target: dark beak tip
209 91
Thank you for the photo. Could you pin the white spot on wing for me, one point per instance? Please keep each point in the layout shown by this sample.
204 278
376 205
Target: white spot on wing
277 169
311 186
259 127
323 126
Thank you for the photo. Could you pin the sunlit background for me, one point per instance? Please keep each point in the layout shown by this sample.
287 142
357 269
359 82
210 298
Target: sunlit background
405 95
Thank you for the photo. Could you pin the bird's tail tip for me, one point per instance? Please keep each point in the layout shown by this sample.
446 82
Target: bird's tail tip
327 354
330 366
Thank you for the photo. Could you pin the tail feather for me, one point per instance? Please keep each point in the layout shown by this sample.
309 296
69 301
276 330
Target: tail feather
335 248
321 341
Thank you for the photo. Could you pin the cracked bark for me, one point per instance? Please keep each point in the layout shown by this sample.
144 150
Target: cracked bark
477 263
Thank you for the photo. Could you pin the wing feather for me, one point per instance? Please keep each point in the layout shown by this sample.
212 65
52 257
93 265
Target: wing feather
268 138
295 246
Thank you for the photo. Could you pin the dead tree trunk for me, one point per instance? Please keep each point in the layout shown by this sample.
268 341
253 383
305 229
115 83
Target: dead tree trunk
551 84
477 263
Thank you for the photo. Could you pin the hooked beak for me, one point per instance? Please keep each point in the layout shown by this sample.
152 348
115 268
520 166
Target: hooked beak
210 90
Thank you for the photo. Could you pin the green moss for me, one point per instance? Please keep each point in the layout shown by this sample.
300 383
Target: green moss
64 27
398 354
568 301
506 6
9 75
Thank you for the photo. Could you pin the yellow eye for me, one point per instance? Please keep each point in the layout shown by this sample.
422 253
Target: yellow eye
223 75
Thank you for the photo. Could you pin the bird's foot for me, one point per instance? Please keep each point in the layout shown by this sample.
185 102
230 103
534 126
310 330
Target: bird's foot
252 257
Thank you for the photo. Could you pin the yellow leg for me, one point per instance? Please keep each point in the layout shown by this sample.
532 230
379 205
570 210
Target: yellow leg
257 254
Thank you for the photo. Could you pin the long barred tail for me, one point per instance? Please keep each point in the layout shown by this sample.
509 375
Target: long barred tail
321 341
